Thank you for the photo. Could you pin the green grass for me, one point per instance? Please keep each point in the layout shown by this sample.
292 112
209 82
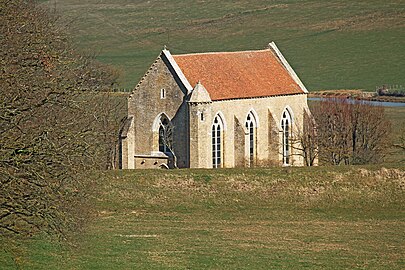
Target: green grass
397 117
277 218
337 44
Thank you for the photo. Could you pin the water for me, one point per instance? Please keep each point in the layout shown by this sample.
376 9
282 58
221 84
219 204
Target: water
375 103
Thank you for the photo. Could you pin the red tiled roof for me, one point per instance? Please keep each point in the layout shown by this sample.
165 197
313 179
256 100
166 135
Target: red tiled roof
231 75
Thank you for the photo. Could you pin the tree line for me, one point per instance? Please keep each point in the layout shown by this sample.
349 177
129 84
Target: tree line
57 121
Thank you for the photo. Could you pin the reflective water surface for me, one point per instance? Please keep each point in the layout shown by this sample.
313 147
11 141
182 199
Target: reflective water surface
377 103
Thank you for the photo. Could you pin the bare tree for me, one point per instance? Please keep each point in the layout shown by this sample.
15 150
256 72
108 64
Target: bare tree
401 140
54 121
369 133
350 131
305 140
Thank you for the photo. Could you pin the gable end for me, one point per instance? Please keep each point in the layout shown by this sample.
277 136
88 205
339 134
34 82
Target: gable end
287 66
177 70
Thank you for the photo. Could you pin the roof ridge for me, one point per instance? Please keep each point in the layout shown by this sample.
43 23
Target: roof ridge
234 52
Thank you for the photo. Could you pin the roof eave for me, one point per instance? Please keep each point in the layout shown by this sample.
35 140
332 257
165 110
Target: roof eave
258 97
177 69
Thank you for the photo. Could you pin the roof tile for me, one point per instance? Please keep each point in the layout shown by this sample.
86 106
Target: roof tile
232 75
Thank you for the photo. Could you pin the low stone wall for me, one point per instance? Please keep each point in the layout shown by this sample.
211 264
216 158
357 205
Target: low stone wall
151 162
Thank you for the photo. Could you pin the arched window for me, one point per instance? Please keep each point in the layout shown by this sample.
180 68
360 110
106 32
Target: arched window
251 128
165 134
286 129
162 143
217 142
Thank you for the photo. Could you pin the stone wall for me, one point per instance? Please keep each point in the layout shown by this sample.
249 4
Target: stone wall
268 113
150 162
200 120
147 103
239 144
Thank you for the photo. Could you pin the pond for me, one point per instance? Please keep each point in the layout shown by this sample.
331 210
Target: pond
375 103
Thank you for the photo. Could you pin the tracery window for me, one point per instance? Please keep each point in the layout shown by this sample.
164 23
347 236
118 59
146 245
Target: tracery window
217 142
165 135
286 130
251 128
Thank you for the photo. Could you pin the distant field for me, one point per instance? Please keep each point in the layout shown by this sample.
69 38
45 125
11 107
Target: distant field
331 44
277 218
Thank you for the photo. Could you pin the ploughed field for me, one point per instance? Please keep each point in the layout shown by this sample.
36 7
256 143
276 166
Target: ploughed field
338 44
276 218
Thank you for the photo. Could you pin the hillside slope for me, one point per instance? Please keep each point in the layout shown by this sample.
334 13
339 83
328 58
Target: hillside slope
331 44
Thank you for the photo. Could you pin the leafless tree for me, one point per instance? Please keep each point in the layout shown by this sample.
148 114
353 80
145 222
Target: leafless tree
305 140
350 131
56 121
401 140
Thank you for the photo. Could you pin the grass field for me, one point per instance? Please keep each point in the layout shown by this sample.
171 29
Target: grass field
397 118
315 218
338 44
276 218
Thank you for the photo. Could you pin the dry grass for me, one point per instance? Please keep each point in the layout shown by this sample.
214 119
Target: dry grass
321 218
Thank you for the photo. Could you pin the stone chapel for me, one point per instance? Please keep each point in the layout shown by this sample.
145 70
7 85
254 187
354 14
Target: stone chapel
215 110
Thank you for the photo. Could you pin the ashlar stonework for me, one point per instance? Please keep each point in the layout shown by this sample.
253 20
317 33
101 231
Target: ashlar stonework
215 110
